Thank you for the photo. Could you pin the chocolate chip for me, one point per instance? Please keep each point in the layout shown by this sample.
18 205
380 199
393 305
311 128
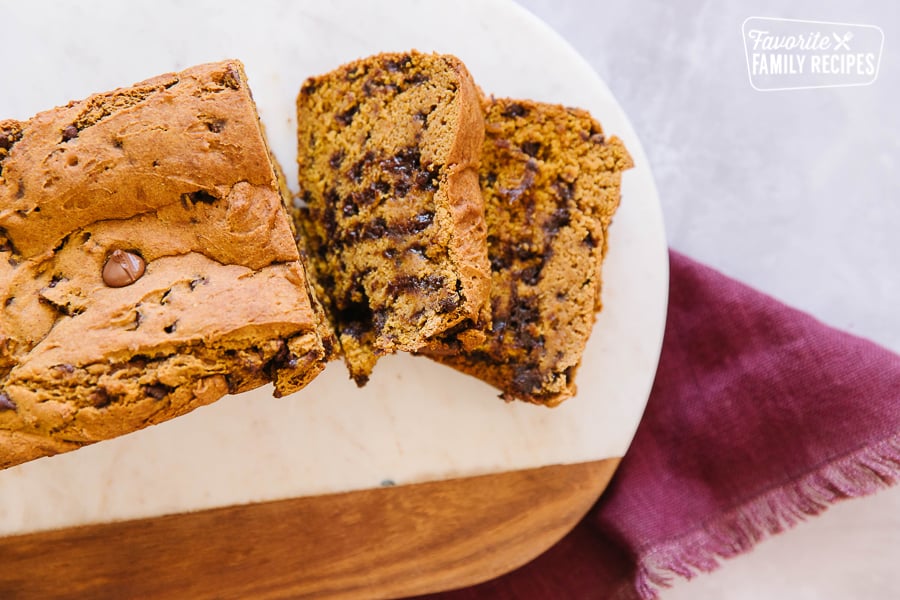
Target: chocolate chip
564 189
356 170
531 148
376 86
427 181
515 110
157 391
401 64
363 198
327 347
405 284
448 304
418 249
405 162
138 319
354 73
139 361
99 398
417 79
171 327
309 87
69 132
122 268
346 117
214 125
422 221
198 280
532 274
559 219
526 380
282 359
402 188
382 187
6 244
201 196
336 159
231 78
355 319
9 136
62 243
328 216
6 403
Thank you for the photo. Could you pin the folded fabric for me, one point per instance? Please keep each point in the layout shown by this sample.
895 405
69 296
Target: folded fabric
759 416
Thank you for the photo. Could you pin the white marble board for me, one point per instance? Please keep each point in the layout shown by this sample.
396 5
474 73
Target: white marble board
416 420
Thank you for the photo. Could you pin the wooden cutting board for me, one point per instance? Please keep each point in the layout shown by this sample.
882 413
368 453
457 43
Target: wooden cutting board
387 542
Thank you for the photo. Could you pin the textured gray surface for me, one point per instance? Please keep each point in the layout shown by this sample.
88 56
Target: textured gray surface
795 193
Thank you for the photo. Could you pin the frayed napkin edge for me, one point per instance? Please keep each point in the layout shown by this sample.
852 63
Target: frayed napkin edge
861 473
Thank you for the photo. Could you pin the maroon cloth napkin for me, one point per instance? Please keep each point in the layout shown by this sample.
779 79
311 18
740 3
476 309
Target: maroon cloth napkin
759 416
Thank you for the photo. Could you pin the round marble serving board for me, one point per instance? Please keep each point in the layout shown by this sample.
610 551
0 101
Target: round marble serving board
416 421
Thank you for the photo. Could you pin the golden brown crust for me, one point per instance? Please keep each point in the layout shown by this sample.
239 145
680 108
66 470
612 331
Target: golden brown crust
176 171
393 215
551 184
464 198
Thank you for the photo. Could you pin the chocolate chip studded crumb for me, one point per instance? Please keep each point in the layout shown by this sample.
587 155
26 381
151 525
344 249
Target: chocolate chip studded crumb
388 153
551 186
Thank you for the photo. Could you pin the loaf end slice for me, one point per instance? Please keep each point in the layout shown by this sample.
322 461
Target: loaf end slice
551 182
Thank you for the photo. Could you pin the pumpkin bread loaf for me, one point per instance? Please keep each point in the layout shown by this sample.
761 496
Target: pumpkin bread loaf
551 183
147 263
389 150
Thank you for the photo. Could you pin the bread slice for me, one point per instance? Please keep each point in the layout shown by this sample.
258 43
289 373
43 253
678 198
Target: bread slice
389 148
551 183
147 263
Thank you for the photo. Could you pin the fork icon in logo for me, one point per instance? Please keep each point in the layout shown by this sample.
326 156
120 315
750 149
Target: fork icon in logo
842 41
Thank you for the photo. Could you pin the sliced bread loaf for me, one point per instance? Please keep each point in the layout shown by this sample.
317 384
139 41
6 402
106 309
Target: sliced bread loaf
147 263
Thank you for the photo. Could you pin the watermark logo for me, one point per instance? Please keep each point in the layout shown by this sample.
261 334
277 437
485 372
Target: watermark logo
790 54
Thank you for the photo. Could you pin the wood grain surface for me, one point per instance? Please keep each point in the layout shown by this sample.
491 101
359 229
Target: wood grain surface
381 543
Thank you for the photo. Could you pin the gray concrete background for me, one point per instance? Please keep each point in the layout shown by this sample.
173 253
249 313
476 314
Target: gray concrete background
796 193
